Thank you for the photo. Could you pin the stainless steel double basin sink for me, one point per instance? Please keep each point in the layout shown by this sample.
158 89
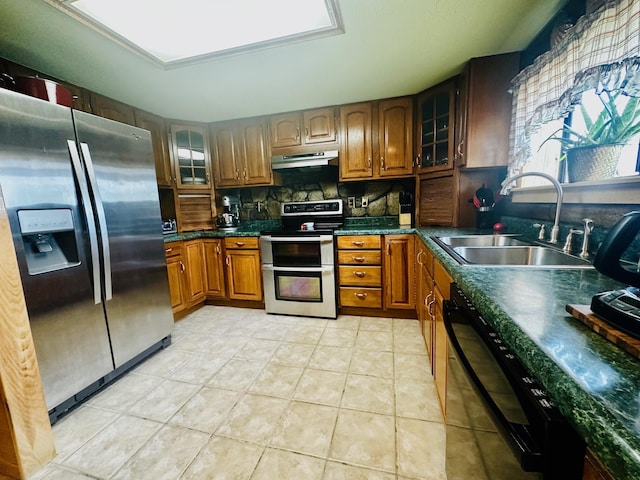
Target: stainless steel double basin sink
506 251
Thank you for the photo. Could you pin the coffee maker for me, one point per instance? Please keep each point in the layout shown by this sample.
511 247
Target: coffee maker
230 218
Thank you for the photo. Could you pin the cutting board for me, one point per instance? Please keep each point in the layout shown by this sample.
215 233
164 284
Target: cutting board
585 315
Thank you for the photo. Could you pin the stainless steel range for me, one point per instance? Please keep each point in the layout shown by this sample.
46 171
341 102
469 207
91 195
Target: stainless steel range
298 260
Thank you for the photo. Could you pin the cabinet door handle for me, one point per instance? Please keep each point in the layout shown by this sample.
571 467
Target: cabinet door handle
306 132
297 133
240 244
460 147
244 173
361 295
426 300
369 163
418 257
419 161
237 174
382 163
208 178
388 249
218 250
359 274
358 244
358 259
182 267
168 250
228 260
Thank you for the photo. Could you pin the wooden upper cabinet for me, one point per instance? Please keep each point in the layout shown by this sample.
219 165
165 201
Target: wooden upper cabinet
159 138
299 129
435 119
484 111
255 151
241 153
376 139
395 136
190 150
226 164
356 150
112 109
320 126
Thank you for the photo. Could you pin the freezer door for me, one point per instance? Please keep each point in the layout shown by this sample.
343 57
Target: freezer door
51 239
121 174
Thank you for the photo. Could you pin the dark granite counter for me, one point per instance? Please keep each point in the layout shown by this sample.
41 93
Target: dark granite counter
594 383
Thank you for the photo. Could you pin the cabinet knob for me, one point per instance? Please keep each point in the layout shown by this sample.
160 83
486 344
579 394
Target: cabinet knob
359 274
358 259
168 250
357 244
240 244
361 295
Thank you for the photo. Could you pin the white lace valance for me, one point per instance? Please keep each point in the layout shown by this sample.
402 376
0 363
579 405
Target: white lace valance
601 51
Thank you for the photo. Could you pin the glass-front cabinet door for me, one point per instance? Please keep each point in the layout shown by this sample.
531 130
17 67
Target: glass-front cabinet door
435 128
191 156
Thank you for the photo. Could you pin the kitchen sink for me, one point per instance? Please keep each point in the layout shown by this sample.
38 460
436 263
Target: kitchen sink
480 240
506 251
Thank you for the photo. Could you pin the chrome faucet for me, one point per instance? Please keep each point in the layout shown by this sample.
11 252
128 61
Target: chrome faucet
588 228
556 229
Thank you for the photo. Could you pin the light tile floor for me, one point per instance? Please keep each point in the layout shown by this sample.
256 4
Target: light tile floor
244 395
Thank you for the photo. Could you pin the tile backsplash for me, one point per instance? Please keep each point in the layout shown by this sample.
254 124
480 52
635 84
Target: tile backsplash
322 184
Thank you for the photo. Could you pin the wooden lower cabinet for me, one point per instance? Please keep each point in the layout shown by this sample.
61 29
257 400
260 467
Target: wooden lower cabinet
215 268
175 273
399 286
424 295
360 271
193 251
244 275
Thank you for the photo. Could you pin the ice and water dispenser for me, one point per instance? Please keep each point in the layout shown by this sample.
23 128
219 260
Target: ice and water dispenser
48 238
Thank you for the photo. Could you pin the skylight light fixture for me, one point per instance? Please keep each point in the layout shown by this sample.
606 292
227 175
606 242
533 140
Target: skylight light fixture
175 32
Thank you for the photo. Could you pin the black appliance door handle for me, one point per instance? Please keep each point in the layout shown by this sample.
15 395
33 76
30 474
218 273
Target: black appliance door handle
607 260
519 439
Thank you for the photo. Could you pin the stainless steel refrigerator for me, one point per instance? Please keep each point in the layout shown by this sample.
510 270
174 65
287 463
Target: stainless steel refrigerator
81 197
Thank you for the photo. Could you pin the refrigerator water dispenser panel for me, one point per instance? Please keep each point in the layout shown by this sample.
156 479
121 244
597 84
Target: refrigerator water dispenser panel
49 239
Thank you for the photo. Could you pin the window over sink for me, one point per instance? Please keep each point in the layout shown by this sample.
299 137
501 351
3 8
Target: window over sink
569 94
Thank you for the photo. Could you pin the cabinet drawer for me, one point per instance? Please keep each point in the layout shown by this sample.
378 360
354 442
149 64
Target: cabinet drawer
366 242
360 276
368 257
361 297
172 249
241 242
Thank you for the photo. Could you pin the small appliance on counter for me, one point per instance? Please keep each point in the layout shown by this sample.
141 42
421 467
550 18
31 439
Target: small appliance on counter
405 216
230 218
169 226
484 202
619 308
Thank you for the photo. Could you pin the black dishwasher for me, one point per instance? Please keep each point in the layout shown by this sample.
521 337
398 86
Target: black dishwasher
500 422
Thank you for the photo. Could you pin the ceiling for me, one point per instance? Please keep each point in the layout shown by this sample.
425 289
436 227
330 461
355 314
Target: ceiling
389 48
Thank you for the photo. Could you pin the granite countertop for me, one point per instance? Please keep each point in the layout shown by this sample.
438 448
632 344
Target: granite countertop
595 384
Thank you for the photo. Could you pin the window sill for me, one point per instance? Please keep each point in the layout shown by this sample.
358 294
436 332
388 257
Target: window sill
621 191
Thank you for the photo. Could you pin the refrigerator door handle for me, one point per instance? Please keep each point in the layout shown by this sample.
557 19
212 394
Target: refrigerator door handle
102 221
91 224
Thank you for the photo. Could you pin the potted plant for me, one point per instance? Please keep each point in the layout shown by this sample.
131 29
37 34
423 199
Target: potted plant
594 155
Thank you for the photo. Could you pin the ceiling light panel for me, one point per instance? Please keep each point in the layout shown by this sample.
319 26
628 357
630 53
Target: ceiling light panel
177 31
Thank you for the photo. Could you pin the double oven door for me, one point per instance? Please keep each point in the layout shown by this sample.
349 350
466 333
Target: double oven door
299 274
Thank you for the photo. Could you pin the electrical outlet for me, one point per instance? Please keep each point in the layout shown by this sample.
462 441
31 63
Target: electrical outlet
365 202
351 202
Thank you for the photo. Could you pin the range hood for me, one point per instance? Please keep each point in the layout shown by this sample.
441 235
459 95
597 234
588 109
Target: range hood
305 160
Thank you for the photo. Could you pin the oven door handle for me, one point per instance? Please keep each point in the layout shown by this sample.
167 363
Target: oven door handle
321 238
271 268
